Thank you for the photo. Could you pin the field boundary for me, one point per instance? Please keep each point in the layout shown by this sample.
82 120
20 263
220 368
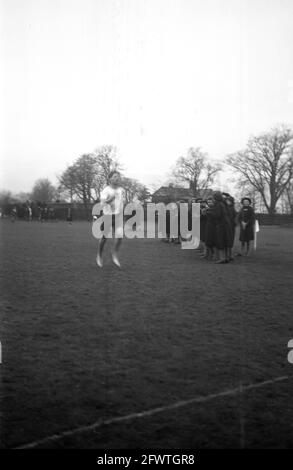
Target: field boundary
151 412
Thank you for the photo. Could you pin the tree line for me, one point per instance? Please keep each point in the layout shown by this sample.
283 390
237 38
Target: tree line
82 181
264 168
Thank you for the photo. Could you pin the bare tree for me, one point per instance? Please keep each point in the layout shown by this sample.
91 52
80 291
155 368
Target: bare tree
134 190
107 161
43 191
6 200
87 176
196 170
80 178
67 183
288 198
266 164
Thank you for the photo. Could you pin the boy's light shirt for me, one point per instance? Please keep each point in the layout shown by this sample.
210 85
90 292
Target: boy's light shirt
115 206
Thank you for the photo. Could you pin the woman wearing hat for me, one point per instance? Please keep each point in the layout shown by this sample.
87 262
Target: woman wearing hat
230 204
246 219
203 221
210 231
223 227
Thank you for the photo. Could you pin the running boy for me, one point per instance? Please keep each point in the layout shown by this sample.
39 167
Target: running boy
112 199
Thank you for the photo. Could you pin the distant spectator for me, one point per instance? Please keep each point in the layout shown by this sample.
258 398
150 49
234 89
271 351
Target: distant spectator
246 219
13 214
69 216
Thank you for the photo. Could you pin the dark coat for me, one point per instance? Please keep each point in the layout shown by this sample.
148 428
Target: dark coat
210 229
233 220
203 221
246 215
224 232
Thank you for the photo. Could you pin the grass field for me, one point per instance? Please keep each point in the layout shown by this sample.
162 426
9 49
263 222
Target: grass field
140 357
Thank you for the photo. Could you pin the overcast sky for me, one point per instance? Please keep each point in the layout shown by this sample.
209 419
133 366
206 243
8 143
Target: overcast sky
152 77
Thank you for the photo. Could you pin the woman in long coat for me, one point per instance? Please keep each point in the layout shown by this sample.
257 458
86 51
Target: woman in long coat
232 214
224 233
246 218
210 230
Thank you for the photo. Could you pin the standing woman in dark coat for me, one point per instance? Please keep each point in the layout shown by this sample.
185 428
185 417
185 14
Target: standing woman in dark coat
210 231
233 222
203 221
246 219
223 227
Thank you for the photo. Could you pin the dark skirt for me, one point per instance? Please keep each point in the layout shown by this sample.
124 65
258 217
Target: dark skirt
210 233
220 236
233 234
247 234
224 236
223 226
203 222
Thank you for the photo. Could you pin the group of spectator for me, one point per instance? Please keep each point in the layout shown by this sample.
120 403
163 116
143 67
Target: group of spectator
218 222
31 211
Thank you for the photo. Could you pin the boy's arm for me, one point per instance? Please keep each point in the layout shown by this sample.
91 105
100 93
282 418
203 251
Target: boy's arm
109 199
106 197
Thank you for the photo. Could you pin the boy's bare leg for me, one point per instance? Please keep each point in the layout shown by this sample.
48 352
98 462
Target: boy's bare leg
247 248
101 245
117 244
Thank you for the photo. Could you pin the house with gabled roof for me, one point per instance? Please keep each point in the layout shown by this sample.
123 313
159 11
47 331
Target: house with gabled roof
171 193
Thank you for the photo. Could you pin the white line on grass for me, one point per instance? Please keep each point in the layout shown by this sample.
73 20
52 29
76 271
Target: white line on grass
153 411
